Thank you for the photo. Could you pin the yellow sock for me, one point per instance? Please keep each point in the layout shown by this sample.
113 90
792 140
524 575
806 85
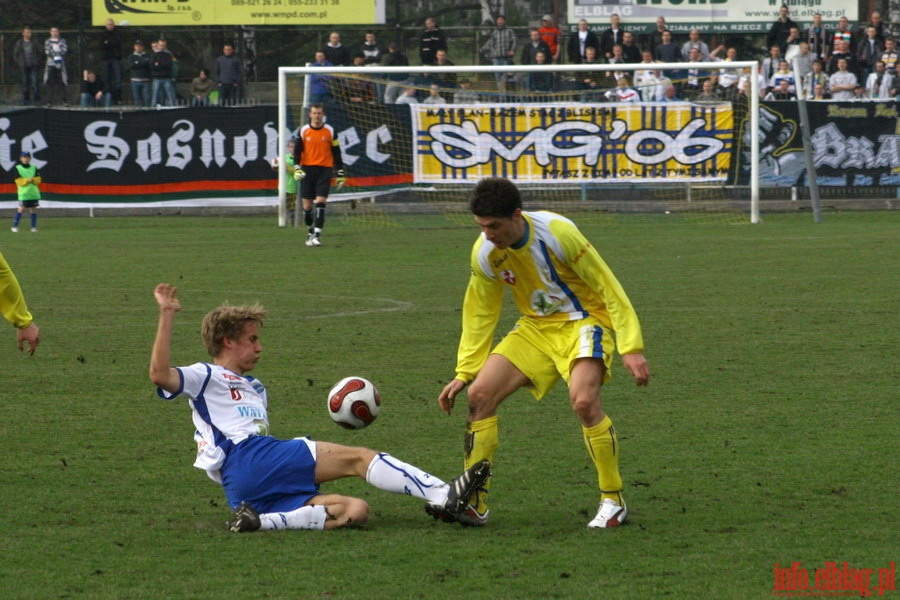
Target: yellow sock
603 448
482 439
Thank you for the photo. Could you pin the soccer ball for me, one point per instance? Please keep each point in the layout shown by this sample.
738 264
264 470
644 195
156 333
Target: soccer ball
354 402
275 163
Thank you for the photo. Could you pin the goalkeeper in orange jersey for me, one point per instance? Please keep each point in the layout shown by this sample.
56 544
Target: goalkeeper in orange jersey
574 314
27 181
317 155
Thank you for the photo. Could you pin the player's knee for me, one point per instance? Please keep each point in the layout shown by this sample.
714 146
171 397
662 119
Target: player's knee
585 408
483 401
479 396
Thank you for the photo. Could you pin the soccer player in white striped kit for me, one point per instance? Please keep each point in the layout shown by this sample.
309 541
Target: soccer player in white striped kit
272 483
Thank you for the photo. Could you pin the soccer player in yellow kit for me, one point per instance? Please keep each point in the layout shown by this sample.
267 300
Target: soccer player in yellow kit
15 310
572 306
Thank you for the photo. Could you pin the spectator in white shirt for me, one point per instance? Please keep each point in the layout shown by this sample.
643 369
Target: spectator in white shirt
408 96
879 83
842 82
623 92
694 41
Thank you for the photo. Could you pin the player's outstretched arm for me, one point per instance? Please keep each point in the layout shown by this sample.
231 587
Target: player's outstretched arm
448 395
15 310
161 372
638 367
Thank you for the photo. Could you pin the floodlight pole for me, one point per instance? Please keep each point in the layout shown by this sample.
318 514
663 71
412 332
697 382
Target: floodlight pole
811 179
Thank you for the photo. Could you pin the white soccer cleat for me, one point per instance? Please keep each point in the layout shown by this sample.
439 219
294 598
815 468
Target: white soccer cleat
610 514
14 229
469 517
314 241
472 518
34 230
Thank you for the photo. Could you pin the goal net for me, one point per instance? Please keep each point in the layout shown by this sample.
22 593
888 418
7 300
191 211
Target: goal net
602 138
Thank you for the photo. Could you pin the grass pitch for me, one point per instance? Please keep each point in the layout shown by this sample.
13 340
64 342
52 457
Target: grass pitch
769 432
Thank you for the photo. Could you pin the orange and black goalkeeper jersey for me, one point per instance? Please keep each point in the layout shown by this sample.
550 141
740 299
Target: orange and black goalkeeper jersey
318 148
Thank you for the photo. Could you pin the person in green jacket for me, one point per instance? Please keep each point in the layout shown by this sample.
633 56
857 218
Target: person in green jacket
27 181
290 184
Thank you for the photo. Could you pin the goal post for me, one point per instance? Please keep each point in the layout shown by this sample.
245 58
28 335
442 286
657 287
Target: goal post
571 141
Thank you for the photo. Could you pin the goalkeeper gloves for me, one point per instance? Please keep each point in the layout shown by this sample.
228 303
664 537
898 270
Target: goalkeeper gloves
340 178
299 174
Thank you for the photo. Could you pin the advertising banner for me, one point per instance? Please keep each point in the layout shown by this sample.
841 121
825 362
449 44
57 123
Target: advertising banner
853 144
712 16
143 156
591 143
221 156
167 13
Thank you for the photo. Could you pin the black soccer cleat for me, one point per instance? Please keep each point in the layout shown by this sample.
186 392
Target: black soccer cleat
244 520
462 488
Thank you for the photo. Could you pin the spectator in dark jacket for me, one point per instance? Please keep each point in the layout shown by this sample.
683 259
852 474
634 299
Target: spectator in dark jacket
336 53
781 28
578 41
111 58
611 37
532 47
370 49
162 65
228 76
669 52
139 72
431 41
398 81
29 57
630 50
94 92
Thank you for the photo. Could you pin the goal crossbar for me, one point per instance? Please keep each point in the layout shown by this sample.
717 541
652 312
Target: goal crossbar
285 72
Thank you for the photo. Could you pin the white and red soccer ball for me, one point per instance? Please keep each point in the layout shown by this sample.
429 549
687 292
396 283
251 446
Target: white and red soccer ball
354 402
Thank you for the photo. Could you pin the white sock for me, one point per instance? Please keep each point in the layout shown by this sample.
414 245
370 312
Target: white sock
391 475
305 517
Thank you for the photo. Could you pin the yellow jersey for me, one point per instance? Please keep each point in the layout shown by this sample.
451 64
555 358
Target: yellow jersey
554 273
12 302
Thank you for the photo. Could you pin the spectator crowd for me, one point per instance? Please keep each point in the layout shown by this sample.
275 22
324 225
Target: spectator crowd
150 69
832 63
814 60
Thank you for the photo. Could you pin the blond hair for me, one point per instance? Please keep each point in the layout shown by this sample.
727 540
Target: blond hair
228 322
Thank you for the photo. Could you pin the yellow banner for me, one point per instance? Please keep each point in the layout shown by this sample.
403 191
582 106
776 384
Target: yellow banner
590 143
238 12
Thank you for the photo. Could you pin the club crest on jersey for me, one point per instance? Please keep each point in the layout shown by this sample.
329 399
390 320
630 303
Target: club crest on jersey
545 304
508 276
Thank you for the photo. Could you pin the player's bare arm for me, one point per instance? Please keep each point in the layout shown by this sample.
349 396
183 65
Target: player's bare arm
638 367
448 395
162 374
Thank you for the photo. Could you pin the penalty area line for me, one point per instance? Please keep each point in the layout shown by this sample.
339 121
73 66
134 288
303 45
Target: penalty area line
394 306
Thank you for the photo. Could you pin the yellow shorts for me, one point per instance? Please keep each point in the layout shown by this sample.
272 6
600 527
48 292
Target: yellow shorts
544 351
